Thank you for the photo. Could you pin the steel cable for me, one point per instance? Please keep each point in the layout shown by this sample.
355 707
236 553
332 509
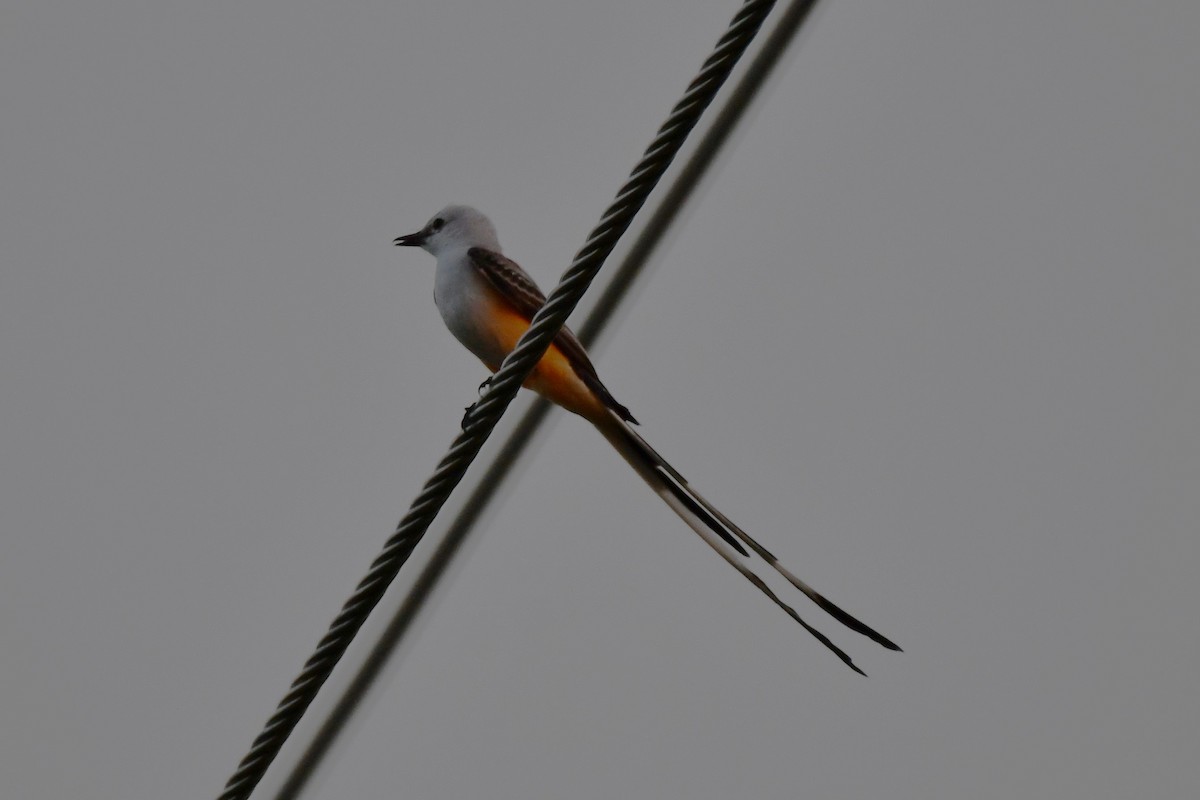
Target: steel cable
665 215
503 388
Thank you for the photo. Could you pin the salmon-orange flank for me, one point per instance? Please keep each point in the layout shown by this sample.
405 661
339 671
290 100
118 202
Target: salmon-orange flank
554 377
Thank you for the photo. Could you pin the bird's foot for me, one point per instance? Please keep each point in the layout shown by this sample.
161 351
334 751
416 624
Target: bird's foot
471 408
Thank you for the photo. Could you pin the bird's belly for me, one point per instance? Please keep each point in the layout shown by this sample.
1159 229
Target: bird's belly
489 327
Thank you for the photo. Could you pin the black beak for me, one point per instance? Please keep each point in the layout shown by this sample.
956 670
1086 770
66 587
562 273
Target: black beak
411 240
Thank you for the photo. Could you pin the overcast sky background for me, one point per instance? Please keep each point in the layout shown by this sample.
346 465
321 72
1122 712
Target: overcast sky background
930 333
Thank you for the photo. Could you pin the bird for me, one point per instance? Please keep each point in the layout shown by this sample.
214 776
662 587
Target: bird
487 301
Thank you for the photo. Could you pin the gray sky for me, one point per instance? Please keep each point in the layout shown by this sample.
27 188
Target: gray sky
930 334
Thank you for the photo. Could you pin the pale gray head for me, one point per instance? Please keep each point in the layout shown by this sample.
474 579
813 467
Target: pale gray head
453 228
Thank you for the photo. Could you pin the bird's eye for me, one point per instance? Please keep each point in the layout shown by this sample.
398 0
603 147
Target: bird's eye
437 224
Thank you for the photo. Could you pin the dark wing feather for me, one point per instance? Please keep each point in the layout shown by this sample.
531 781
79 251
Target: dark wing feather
515 286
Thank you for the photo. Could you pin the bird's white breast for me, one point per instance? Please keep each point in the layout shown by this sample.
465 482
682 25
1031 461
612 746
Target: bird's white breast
466 301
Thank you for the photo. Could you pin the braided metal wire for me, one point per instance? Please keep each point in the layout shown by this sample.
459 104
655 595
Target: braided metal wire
503 388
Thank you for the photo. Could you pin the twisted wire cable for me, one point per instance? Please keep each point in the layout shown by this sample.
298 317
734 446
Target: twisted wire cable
668 209
503 388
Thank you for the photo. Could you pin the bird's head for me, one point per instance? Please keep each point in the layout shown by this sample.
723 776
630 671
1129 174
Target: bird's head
452 228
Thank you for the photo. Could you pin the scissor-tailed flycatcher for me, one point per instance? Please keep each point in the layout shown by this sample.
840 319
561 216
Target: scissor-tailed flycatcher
488 301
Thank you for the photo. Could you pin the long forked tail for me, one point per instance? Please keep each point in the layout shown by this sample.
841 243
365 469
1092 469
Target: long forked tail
722 535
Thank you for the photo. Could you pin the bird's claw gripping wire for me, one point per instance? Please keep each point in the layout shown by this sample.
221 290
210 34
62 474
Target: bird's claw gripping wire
487 382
